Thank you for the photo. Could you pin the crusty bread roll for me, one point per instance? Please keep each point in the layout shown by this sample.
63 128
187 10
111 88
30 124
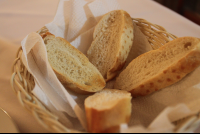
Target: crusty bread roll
107 110
160 68
72 68
113 39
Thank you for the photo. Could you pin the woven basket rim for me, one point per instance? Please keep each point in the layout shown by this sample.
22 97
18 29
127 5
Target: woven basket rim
22 83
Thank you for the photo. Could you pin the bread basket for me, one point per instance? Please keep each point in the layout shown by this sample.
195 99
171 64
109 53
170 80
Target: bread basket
22 83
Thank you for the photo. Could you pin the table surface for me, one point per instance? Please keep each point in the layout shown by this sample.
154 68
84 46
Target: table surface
21 17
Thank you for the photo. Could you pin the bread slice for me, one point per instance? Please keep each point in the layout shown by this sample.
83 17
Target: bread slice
160 68
72 68
107 110
113 39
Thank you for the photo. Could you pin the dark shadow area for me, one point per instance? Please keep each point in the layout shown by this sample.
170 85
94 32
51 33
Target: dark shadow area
187 8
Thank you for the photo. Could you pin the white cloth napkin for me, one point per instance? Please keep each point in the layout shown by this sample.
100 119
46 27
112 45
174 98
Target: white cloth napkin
163 123
75 21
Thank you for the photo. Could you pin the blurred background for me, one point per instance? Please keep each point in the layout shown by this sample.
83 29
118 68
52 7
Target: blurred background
187 8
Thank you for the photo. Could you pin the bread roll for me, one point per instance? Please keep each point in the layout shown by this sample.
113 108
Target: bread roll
160 68
113 39
107 110
72 68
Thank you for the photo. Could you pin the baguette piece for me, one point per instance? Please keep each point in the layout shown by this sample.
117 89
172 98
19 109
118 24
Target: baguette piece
112 41
160 68
107 110
72 67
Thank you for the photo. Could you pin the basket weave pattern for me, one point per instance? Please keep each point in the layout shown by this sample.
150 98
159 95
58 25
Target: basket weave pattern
22 83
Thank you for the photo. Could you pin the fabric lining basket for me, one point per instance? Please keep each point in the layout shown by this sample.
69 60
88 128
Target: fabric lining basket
22 83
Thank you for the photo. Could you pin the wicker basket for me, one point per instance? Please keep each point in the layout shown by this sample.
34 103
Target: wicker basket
22 83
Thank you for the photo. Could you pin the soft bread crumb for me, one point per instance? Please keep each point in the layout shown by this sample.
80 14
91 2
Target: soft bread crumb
160 68
113 38
106 99
72 67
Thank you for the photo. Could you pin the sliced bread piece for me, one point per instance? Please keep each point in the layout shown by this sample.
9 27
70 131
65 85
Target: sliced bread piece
72 67
113 39
107 110
160 68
